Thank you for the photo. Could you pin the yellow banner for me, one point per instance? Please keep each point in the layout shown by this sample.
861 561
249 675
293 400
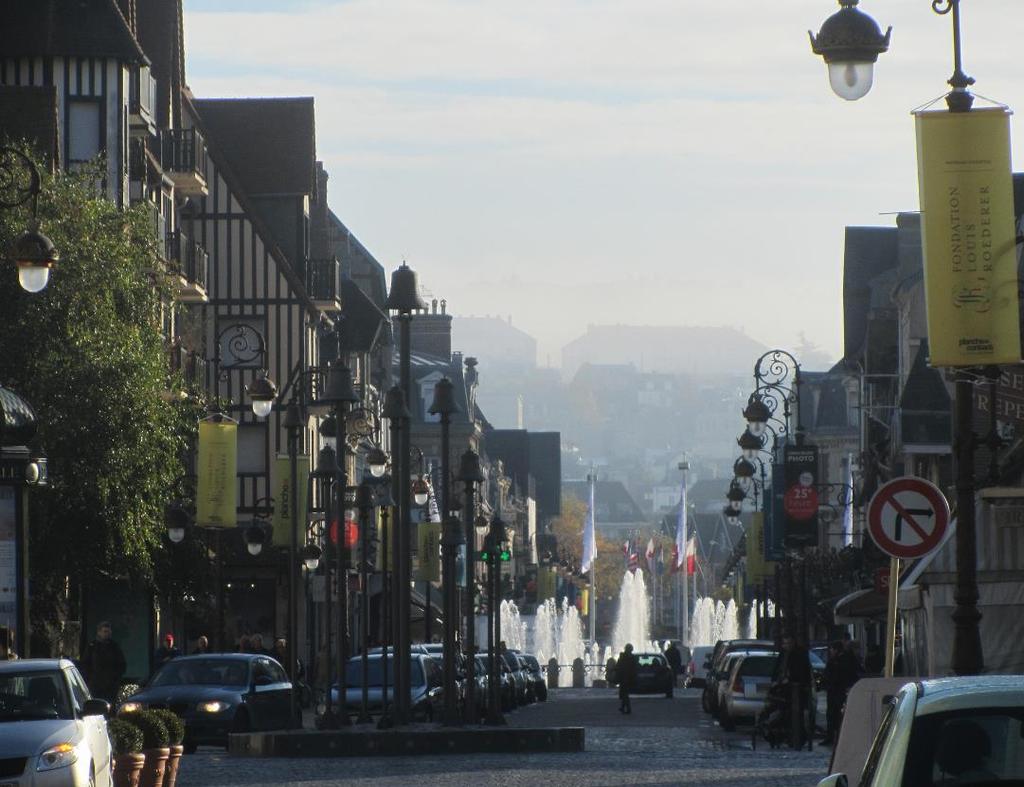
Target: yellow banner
758 569
217 482
282 520
383 529
968 237
545 584
428 540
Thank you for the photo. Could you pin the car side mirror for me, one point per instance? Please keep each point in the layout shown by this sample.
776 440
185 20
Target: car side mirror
96 708
835 780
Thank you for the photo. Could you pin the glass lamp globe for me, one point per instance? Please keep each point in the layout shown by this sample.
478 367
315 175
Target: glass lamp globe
261 408
851 80
757 428
254 548
311 563
176 534
732 518
33 278
736 505
378 470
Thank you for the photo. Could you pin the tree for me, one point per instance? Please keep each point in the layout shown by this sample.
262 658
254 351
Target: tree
88 354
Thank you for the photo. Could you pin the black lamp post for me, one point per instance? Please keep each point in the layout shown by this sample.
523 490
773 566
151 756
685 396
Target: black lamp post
293 424
967 658
403 298
494 543
397 414
470 474
387 504
32 252
339 394
445 406
364 504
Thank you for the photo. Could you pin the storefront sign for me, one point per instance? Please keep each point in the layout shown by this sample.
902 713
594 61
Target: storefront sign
968 237
217 482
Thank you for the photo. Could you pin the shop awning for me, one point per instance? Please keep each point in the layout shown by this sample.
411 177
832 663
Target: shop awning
861 604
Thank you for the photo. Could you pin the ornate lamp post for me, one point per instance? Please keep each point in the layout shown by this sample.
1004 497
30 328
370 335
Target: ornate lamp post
397 414
364 504
494 543
403 298
470 474
967 656
32 252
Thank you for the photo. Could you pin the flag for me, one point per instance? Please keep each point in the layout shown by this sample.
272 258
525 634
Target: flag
433 511
848 508
691 556
680 549
589 539
649 554
625 554
634 561
674 563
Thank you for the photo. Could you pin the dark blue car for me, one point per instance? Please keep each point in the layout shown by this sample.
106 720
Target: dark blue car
218 694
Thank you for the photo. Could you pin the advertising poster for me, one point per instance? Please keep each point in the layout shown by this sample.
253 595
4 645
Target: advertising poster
217 482
8 557
968 237
800 500
283 499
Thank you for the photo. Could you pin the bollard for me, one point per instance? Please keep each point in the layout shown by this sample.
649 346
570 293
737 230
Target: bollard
577 673
609 671
552 673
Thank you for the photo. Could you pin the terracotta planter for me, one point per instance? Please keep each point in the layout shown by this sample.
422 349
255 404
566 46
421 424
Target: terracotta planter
127 769
155 768
171 774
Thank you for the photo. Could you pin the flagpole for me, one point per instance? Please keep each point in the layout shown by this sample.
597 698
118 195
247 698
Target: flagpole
592 524
684 633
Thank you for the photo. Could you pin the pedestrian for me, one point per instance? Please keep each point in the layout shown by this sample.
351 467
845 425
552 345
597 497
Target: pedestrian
104 664
793 676
675 661
202 646
625 672
165 652
834 683
7 652
257 645
244 645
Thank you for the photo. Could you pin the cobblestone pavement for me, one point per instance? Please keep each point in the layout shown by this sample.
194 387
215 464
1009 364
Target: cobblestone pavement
664 742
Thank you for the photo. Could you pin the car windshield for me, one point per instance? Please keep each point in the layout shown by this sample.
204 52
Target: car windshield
375 672
970 746
203 672
34 694
650 661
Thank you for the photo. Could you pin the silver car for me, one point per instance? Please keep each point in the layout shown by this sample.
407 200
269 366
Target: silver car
747 687
51 731
950 731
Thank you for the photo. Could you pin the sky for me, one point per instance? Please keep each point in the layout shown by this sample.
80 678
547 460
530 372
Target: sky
576 162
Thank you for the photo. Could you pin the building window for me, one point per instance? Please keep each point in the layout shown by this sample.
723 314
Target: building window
252 449
83 132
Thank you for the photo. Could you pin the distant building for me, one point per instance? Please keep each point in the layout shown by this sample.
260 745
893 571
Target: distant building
504 345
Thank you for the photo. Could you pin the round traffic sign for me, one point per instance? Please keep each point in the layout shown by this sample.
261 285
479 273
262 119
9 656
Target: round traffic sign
908 517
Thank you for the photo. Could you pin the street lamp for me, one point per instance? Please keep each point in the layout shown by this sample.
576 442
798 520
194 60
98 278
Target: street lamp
471 474
757 414
420 491
850 41
377 461
731 515
310 555
404 298
750 444
177 520
444 406
32 252
364 503
397 414
262 392
493 543
735 496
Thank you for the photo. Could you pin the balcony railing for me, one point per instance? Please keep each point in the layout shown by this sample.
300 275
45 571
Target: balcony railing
188 363
191 261
183 157
323 282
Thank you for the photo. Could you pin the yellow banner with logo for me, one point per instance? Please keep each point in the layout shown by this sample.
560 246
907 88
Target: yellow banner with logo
216 481
758 569
968 237
283 499
428 541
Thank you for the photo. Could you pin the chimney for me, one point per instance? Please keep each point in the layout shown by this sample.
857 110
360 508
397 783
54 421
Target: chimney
431 334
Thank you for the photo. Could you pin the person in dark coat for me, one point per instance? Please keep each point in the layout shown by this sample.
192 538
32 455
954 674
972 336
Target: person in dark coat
793 674
675 661
104 664
202 645
165 652
834 683
625 673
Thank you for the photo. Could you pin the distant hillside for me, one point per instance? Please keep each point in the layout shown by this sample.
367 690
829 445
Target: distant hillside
495 341
688 350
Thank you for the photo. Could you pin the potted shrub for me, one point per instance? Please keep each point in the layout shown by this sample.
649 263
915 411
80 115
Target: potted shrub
156 747
126 744
175 736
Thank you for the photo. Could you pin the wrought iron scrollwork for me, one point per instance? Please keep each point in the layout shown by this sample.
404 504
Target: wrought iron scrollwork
247 349
19 179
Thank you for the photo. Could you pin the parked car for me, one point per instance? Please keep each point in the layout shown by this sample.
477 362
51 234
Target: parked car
949 731
536 675
746 687
521 678
425 690
697 667
219 694
653 675
709 698
51 730
721 687
507 692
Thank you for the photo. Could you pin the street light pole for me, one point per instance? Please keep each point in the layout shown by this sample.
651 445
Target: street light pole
471 475
404 298
397 413
494 541
364 502
293 423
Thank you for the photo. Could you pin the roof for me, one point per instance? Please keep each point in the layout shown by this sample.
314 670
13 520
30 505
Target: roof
159 30
82 28
925 406
869 251
364 323
270 143
40 665
946 694
30 113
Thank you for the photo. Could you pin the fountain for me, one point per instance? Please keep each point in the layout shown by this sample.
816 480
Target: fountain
513 629
713 620
633 619
558 633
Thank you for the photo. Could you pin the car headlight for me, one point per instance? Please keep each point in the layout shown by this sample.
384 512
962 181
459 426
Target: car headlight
216 706
132 707
60 756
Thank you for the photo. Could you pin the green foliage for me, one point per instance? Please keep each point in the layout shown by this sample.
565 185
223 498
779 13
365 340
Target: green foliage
125 737
175 726
154 732
89 355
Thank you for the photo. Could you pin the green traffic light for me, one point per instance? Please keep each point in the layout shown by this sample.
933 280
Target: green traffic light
505 556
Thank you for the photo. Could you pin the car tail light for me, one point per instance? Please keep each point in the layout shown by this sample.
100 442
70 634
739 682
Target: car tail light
737 685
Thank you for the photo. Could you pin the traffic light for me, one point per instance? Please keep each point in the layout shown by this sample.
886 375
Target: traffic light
505 555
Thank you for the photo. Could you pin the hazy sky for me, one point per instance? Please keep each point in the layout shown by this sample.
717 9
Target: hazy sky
598 161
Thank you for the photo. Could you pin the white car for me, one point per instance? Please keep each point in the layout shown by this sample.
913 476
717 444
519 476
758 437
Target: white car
949 731
51 731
